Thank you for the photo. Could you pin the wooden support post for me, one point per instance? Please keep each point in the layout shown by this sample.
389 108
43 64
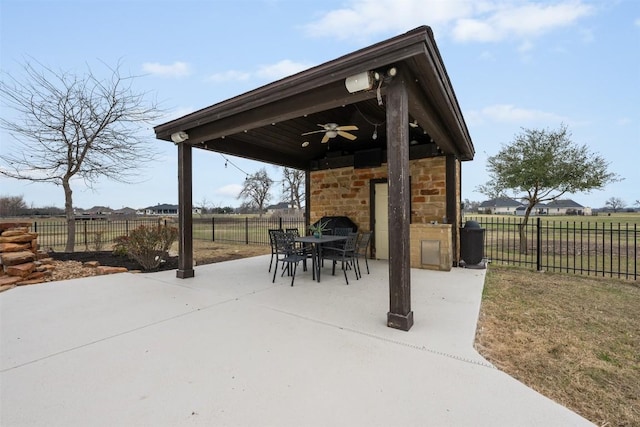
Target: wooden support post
453 192
185 216
400 315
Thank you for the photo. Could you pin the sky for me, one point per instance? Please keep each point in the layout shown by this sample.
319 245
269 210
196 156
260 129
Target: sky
513 65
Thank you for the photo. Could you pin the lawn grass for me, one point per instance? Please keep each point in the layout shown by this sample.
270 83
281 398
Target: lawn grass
574 339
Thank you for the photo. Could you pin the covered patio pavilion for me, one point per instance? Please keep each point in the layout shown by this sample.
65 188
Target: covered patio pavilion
396 93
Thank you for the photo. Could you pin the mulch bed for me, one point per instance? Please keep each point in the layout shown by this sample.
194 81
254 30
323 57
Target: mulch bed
107 258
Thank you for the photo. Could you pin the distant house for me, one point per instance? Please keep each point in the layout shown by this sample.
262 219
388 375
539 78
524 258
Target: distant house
163 209
499 206
567 207
539 209
124 212
98 210
282 208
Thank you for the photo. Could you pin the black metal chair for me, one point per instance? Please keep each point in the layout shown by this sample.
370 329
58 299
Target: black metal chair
287 253
362 246
272 242
345 254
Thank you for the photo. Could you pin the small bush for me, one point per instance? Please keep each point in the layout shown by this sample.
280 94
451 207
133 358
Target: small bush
98 240
149 246
120 245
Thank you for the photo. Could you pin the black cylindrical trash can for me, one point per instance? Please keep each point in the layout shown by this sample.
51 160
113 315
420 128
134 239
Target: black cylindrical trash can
472 243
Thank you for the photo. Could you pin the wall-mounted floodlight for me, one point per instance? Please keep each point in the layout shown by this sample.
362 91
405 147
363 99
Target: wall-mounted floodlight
359 82
179 137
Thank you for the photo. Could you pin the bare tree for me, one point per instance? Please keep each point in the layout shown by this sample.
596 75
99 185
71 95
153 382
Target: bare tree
256 190
293 187
12 206
541 165
615 203
75 126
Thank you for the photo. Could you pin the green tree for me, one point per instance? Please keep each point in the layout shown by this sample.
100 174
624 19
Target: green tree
69 126
256 190
541 165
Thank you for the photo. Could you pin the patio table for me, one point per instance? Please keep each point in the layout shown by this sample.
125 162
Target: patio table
316 248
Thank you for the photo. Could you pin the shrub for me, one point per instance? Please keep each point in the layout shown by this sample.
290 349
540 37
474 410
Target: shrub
98 240
120 245
149 246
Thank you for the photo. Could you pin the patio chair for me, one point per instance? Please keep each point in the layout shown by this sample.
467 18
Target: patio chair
345 254
272 242
362 246
287 253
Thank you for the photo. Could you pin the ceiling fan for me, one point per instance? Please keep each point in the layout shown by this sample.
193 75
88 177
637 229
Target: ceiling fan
331 130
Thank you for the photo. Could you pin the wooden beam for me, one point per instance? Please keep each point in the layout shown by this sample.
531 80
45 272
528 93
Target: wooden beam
400 315
185 215
453 191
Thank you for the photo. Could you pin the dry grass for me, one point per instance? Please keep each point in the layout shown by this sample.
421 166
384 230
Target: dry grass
206 252
574 339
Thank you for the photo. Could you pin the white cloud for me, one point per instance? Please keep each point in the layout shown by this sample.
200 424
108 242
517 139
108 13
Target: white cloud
177 69
229 76
281 69
520 20
275 71
231 190
465 20
506 113
361 18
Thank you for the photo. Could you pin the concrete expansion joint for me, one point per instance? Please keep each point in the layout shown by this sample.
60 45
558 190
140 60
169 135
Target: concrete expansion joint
396 342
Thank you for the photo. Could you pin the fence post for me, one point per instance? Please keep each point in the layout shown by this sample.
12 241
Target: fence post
280 223
538 244
35 226
86 244
246 230
213 229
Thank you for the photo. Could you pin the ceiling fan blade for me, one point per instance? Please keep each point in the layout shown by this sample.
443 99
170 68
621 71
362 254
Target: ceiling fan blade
348 127
346 135
325 139
315 131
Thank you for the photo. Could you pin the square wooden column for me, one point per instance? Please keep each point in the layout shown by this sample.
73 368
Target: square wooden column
185 215
400 315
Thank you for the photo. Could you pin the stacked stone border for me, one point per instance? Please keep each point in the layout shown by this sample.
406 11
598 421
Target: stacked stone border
22 263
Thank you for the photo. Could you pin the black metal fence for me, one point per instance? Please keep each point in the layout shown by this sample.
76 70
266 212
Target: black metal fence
100 233
91 234
249 231
579 247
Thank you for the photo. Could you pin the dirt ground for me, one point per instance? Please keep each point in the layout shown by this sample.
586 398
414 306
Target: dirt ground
71 265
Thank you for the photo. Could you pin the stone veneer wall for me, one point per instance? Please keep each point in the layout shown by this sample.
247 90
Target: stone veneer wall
346 191
20 261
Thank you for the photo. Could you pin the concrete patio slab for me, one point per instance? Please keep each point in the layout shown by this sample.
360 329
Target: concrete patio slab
230 348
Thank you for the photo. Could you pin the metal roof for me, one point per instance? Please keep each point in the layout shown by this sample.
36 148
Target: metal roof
266 124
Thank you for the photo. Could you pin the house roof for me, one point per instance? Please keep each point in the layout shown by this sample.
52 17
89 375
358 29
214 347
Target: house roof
501 202
564 203
267 124
162 207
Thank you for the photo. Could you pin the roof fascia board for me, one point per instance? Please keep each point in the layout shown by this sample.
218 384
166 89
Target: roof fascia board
380 55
